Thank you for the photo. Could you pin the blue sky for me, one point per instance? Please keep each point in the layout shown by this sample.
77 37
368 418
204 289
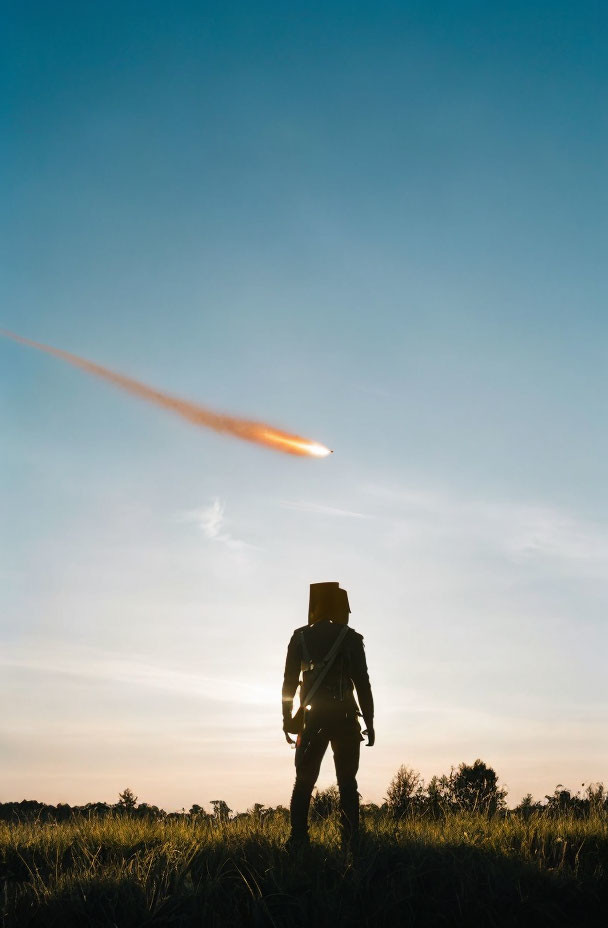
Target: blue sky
380 227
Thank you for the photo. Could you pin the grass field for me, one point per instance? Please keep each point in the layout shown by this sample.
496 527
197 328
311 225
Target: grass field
466 870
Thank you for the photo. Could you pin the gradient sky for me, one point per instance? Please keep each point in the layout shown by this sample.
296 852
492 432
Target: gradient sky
382 226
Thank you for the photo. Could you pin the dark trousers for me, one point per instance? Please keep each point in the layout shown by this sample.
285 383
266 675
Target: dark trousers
312 744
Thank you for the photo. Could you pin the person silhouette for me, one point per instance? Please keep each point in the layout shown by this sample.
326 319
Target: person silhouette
332 660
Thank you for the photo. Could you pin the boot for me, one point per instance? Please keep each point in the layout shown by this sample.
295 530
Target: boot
349 818
298 811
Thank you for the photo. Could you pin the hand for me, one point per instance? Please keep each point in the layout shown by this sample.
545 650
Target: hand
371 736
288 738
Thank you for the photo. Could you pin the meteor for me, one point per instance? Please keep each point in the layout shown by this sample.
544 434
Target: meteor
248 430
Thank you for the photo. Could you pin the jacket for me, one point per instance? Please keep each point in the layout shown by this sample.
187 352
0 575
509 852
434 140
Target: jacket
348 672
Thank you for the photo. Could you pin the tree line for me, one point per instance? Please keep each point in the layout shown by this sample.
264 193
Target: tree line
475 788
472 788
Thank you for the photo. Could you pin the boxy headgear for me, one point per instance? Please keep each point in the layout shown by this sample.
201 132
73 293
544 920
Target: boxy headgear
343 608
328 601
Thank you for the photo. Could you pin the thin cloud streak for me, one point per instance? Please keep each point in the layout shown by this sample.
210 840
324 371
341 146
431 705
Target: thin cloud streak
320 509
107 668
522 531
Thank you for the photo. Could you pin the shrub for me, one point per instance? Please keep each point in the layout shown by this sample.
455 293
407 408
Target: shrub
475 788
325 802
405 794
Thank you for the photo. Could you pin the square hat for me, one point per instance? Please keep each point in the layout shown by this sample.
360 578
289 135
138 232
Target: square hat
323 596
343 610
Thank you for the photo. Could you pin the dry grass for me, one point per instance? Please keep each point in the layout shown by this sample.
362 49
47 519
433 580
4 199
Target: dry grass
466 870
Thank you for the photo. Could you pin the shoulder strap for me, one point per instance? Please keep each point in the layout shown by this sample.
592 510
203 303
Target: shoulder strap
325 664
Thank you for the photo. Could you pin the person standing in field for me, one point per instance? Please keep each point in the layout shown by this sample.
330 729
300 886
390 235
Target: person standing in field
331 657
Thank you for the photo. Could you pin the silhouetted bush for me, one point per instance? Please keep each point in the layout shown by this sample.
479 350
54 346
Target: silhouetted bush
221 810
405 794
127 800
528 807
325 802
475 788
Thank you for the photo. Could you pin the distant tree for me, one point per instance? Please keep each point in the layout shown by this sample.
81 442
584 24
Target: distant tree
560 801
405 794
258 811
439 797
197 811
63 811
96 809
369 811
127 800
474 788
150 812
325 802
221 810
597 798
564 802
279 812
31 809
528 806
371 807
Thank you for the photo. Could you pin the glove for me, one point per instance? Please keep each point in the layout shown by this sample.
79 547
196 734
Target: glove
286 726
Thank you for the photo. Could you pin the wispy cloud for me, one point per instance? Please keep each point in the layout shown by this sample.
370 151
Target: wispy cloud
112 668
211 521
320 509
521 530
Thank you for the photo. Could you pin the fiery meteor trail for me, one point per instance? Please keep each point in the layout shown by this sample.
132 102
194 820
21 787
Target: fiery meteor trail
259 432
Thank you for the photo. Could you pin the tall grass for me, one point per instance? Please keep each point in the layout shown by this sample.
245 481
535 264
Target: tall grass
466 870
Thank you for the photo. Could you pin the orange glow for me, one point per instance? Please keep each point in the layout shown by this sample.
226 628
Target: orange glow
291 444
246 429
